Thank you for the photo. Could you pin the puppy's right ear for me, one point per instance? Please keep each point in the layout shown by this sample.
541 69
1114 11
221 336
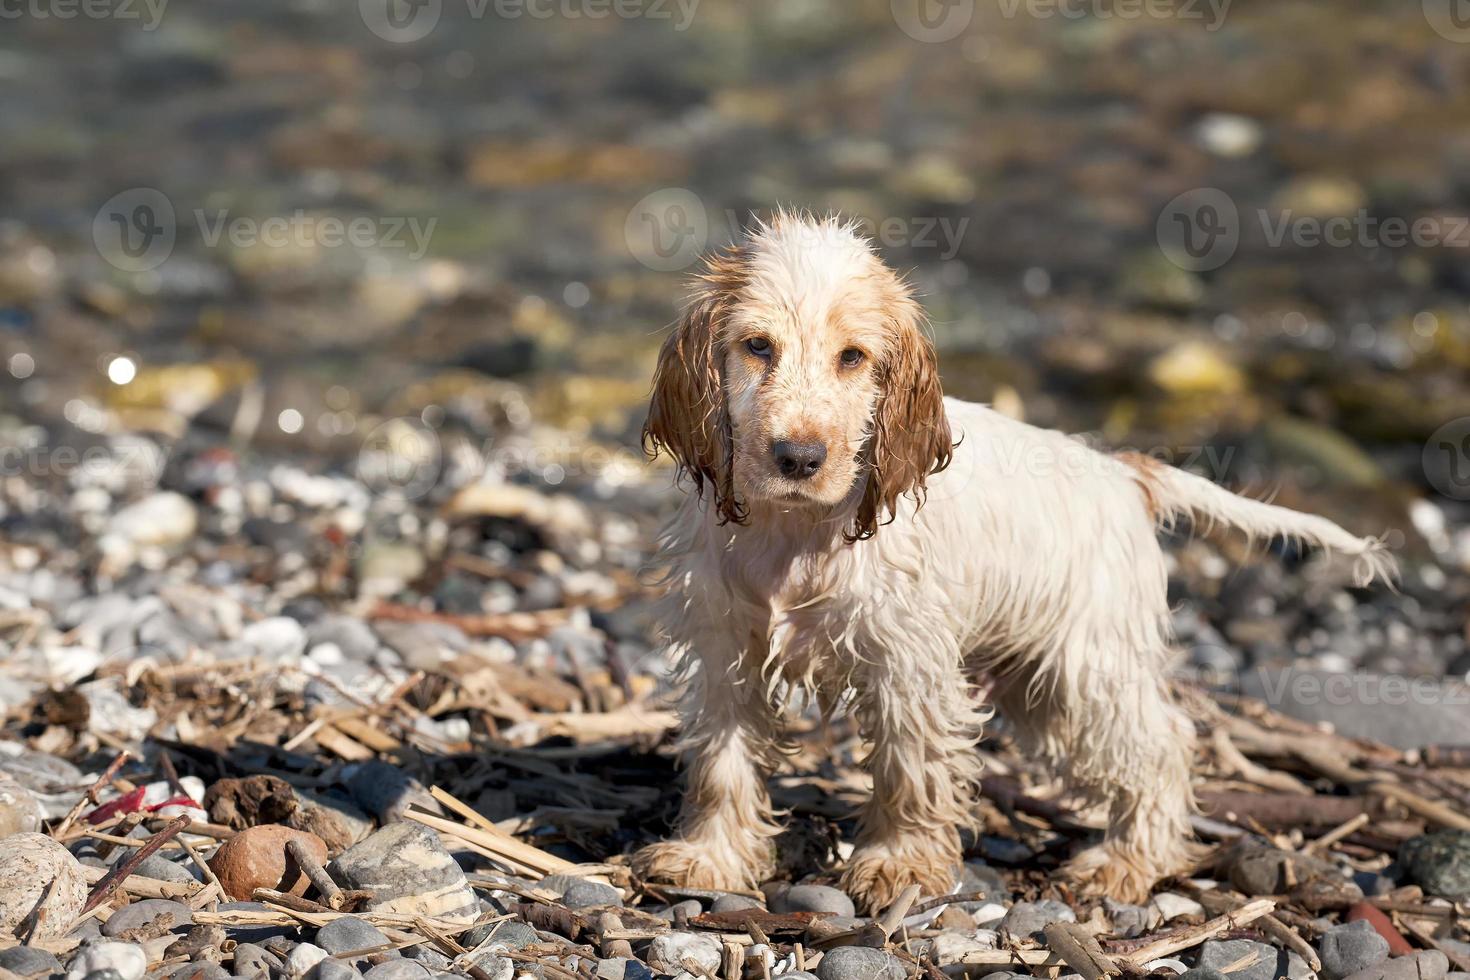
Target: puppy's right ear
687 415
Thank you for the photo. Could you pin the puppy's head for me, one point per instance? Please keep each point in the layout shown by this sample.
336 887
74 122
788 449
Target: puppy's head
799 376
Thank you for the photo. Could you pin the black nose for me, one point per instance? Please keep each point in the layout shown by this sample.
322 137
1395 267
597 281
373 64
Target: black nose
798 460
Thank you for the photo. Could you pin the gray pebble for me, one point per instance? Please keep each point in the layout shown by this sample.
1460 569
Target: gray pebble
196 971
1203 973
1351 947
860 963
430 959
253 961
588 894
499 967
506 935
148 910
813 898
407 869
734 903
1428 964
103 975
399 969
690 906
1220 953
28 961
349 933
1439 863
1129 921
622 968
1027 919
333 969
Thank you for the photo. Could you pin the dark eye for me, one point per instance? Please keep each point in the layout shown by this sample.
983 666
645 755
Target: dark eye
852 357
759 346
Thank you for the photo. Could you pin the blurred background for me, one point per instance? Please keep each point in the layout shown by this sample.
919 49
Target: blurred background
284 260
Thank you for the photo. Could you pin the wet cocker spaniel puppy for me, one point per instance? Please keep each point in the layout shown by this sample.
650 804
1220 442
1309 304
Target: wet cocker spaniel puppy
852 535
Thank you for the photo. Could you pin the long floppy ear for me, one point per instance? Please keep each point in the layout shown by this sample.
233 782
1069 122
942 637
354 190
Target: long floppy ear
911 438
688 416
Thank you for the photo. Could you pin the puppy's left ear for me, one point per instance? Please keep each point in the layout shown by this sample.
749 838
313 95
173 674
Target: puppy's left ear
911 437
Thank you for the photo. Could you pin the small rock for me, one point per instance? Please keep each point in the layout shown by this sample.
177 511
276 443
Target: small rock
147 911
29 864
860 963
1129 921
161 520
28 961
331 969
1351 947
813 898
668 952
1439 863
949 947
502 935
1026 920
20 811
624 968
277 639
1203 973
128 960
1168 906
408 871
734 903
581 894
1428 964
1217 954
499 967
202 970
257 858
252 800
252 961
348 934
1260 869
399 969
386 791
303 959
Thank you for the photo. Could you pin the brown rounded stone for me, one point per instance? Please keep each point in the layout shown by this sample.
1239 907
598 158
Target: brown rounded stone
257 858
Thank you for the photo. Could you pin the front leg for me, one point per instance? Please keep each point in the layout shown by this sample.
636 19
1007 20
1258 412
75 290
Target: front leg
923 721
725 826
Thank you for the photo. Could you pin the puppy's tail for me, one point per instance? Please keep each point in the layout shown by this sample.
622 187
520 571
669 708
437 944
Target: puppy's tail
1171 493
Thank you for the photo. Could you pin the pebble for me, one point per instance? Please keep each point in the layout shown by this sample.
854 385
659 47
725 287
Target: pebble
1217 954
580 893
387 791
951 947
1428 964
20 811
623 968
1129 921
1439 863
813 898
860 963
252 961
408 871
161 520
202 970
734 903
331 969
1169 906
347 934
128 960
256 858
689 906
667 952
28 961
277 639
29 863
149 910
1025 920
1349 948
506 935
399 969
303 959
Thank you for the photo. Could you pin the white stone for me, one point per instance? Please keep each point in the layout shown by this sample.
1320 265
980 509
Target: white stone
128 960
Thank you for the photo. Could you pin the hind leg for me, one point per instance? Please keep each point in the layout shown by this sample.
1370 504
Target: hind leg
1103 718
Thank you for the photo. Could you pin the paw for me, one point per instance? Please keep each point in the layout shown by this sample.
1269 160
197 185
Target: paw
695 865
877 876
1127 875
